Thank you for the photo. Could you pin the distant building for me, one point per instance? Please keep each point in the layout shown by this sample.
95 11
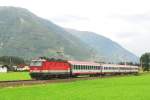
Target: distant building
3 69
22 68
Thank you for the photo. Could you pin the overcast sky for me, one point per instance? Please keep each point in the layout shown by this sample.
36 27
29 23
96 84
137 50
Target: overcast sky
124 21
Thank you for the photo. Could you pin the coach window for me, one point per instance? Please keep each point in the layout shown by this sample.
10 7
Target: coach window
92 67
96 67
77 67
74 67
83 67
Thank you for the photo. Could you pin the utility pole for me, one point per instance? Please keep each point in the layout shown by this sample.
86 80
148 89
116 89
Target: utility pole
10 60
60 53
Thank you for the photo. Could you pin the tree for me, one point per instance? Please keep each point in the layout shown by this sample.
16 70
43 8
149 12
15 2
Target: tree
11 60
145 61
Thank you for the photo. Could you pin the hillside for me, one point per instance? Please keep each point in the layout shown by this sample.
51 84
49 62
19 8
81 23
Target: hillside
105 49
26 35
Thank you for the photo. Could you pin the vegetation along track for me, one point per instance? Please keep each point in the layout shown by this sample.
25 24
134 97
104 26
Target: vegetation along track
15 83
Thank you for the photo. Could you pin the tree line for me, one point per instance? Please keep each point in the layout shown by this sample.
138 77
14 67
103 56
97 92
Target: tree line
14 60
11 60
145 61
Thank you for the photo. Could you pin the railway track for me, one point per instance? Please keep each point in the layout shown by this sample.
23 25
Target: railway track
34 82
31 82
15 83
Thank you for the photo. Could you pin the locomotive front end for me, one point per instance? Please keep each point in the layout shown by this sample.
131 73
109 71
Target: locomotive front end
36 67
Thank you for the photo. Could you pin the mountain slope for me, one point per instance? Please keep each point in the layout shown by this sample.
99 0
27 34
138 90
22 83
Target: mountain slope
27 35
105 48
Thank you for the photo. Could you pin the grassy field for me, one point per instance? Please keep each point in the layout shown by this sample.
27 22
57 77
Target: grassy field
14 76
120 88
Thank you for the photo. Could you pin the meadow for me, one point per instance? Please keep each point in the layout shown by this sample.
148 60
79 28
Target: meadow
14 76
116 88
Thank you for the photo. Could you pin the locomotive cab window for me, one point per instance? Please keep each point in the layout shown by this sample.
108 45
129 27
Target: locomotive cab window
36 63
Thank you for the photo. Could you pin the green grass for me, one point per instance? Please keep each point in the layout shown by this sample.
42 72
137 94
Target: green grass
14 76
120 88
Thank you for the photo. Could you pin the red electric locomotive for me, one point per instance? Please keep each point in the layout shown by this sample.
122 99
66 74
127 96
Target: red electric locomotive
41 68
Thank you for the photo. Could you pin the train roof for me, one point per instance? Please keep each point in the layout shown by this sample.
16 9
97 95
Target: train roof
83 63
117 65
39 60
87 63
